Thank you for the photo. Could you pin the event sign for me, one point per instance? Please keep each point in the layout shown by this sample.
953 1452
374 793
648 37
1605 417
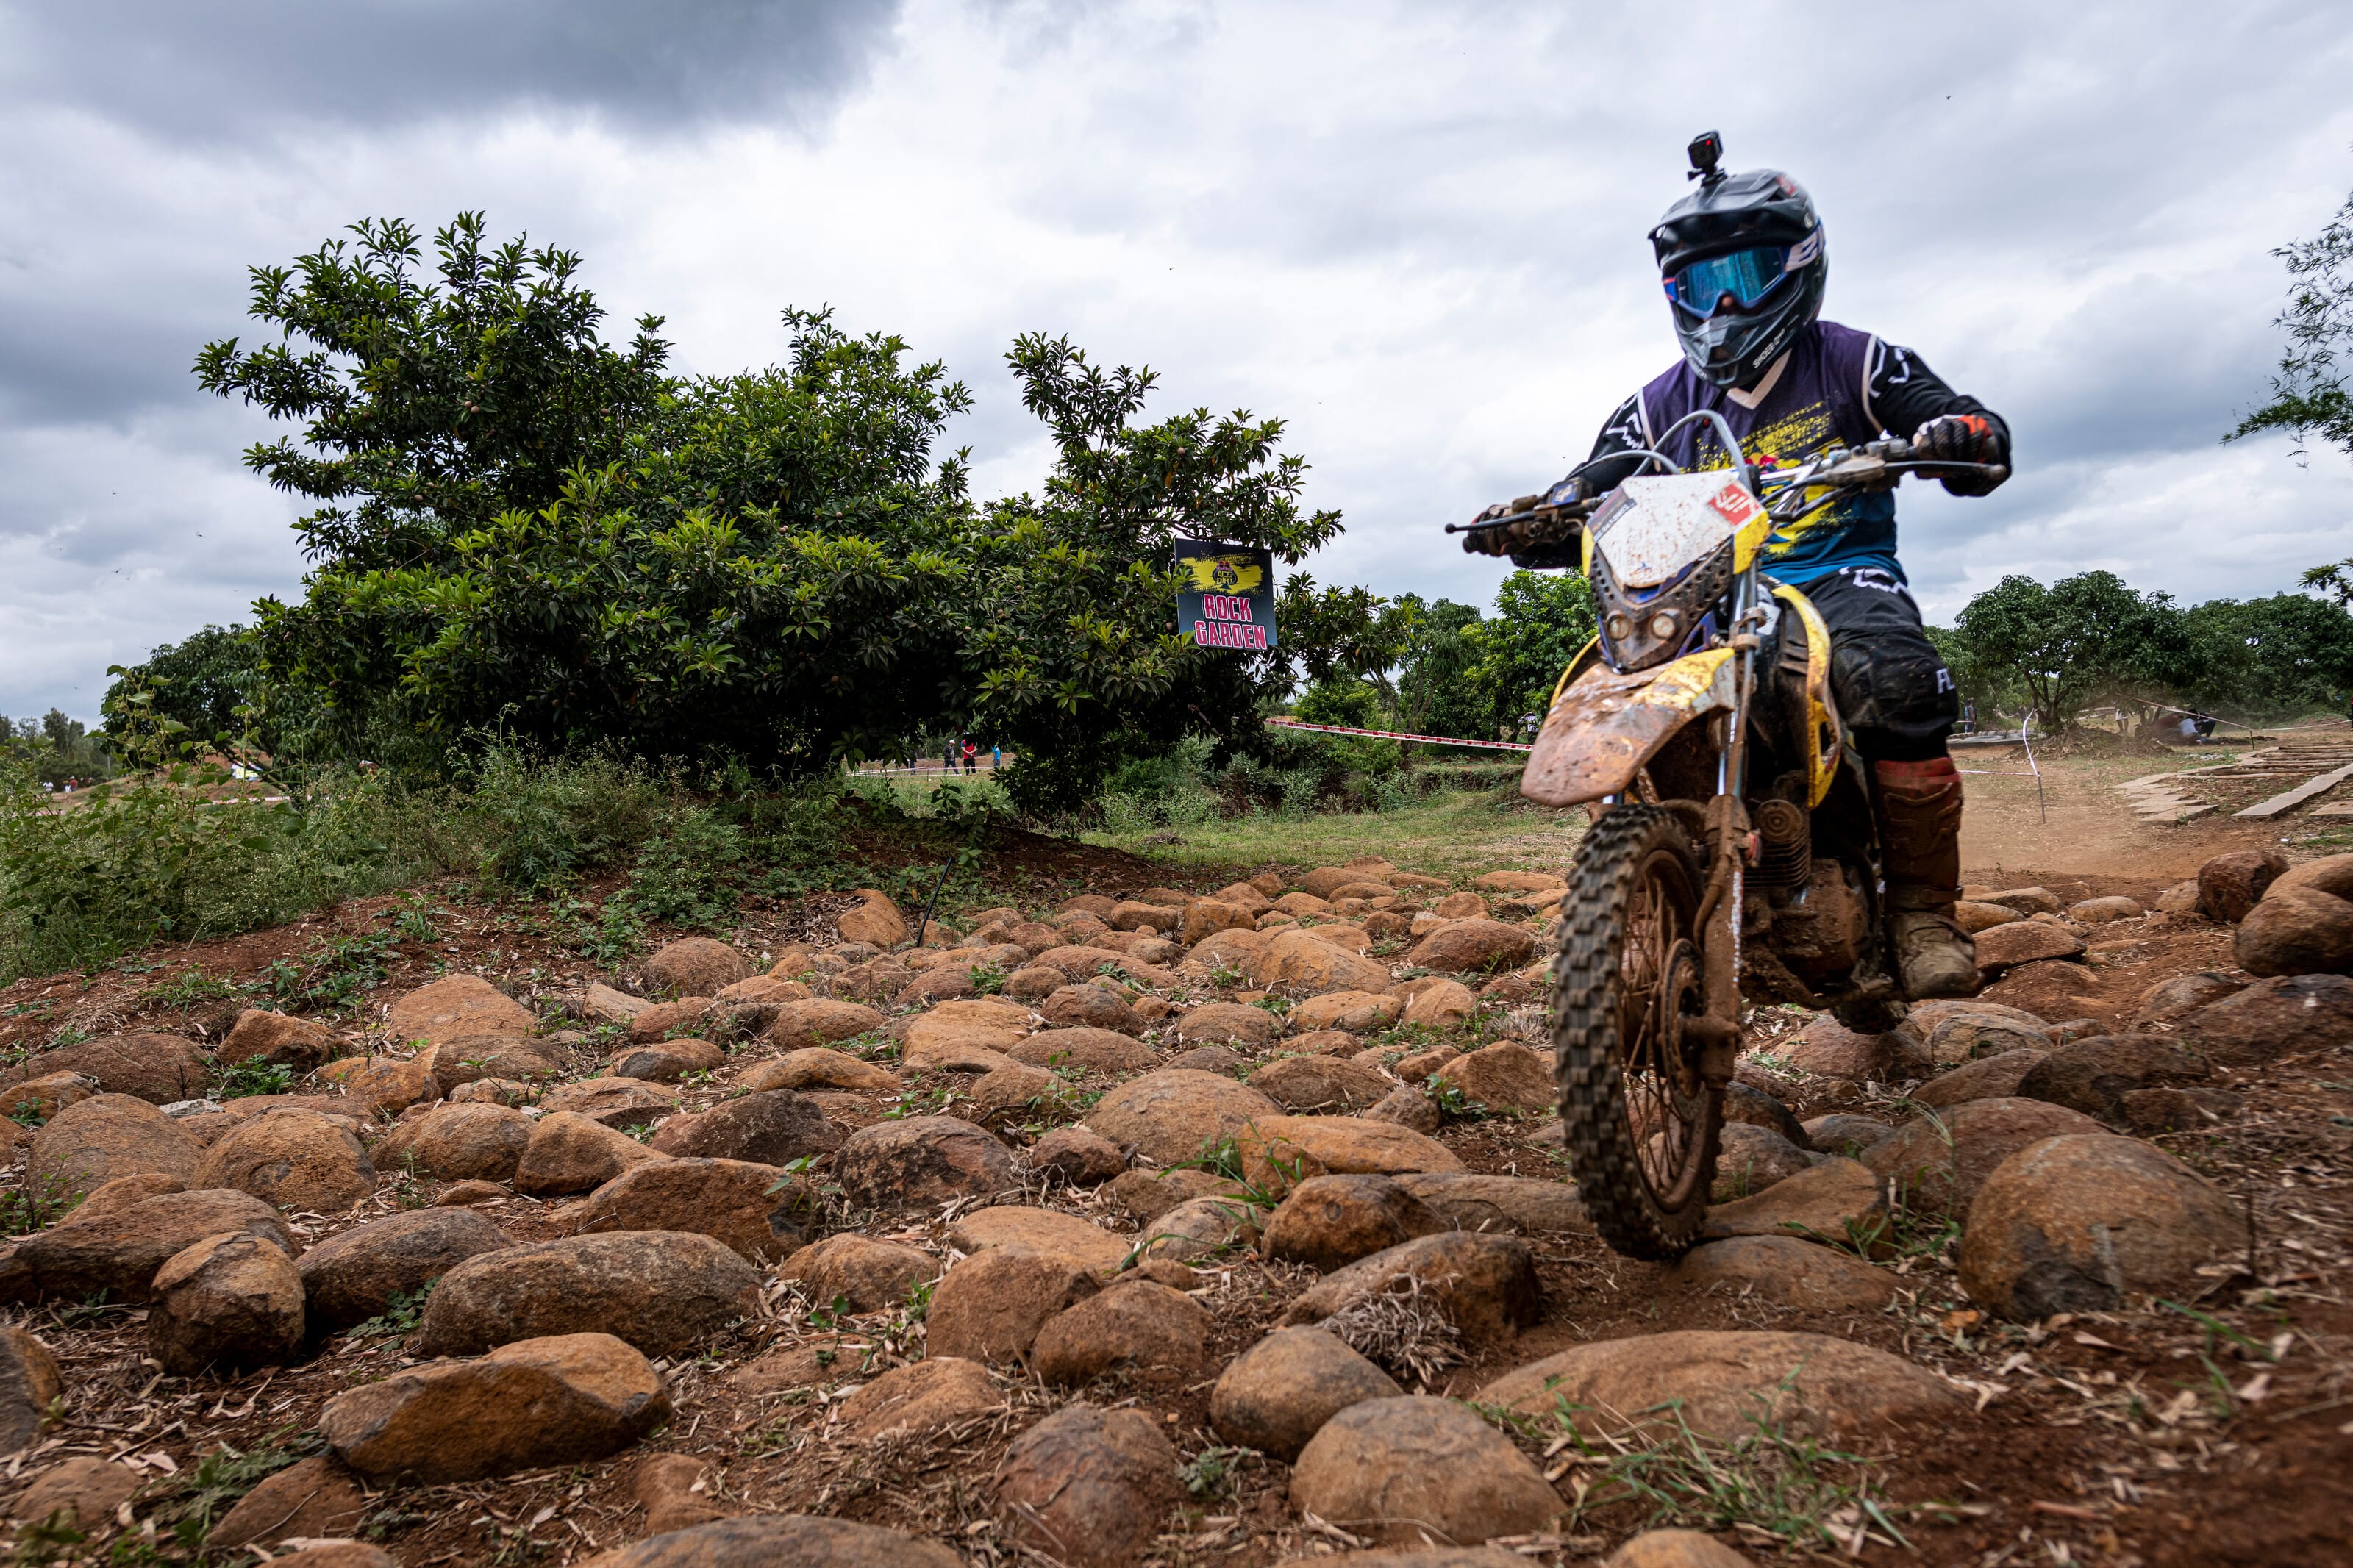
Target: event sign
1227 599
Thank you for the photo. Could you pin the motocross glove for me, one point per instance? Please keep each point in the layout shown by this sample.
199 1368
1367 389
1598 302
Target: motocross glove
1964 438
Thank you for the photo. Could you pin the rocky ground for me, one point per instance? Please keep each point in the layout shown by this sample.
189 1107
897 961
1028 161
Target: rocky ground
1218 1223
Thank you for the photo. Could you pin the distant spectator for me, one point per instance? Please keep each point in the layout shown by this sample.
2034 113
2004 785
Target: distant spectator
972 756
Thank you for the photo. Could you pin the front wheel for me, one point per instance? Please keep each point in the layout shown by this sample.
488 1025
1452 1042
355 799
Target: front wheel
1640 1121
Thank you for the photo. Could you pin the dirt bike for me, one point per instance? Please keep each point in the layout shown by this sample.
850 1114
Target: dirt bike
1734 852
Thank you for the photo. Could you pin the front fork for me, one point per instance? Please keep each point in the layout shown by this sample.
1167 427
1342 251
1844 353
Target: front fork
1730 847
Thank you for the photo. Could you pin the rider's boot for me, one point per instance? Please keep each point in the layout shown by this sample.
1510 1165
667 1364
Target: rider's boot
1920 833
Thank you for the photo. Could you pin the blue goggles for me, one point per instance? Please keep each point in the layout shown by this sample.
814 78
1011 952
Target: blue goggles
1747 276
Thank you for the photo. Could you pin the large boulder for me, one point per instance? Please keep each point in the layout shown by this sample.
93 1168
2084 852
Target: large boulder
262 1036
757 1210
1176 1114
232 1301
1278 1394
94 1140
774 1127
353 1276
2093 1075
457 1005
875 921
1937 1164
1279 1152
1475 947
2074 1223
866 1275
2287 1015
1827 1049
2230 885
1483 1284
1725 1381
569 1153
563 1400
922 1161
694 967
2295 931
2329 874
1405 1469
1089 1487
296 1159
663 1292
157 1068
118 1249
469 1143
1142 1328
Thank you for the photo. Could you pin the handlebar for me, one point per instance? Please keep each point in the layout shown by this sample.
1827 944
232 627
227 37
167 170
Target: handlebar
1875 465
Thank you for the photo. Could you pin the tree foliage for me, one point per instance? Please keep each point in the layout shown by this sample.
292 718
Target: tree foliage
525 532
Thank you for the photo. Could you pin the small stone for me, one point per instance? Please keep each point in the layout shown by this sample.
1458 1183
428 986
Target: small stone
472 1142
1523 1206
2090 1076
387 1086
1153 1333
2284 1015
1462 906
262 1036
1145 1196
1405 1469
1329 1222
817 1022
1300 962
2230 885
1475 946
1782 1269
2025 900
2100 912
1988 1078
456 1006
458 1194
1077 1156
1829 1049
1319 1083
94 1140
1958 1032
569 1153
866 1275
876 921
673 1489
922 1161
989 1307
231 1300
292 1160
1279 1393
1676 1549
774 1127
1199 1229
615 1103
1504 1075
1726 1381
604 1004
782 1541
1092 1004
1746 1102
353 1276
1040 1230
1218 1060
758 1211
1484 1284
1089 1487
308 1500
663 1292
695 966
2072 1224
1840 1133
667 1061
562 1399
157 1068
1751 1159
2182 996
1837 1203
1975 916
81 1493
1279 1152
1406 1106
916 1401
1174 1115
30 1383
1441 1006
1355 1011
1937 1164
470 1058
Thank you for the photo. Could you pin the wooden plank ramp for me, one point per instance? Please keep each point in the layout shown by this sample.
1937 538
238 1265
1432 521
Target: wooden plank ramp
2288 800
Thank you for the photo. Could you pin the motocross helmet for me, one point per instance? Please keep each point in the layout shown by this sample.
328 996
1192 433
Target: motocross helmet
1743 264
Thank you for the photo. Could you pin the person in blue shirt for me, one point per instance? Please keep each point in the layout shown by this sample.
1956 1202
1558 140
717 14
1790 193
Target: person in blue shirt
1743 265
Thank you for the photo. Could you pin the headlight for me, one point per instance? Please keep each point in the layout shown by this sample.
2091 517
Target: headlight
1664 625
1619 628
1638 632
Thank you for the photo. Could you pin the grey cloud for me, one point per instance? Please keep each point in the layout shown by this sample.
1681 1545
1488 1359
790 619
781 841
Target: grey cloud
233 68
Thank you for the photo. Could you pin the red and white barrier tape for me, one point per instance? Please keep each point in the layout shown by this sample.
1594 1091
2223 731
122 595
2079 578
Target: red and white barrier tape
1399 735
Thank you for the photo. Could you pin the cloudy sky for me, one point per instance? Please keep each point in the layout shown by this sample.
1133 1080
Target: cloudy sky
1413 231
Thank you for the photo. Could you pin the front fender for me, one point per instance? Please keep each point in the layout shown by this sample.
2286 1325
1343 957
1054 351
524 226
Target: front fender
1605 727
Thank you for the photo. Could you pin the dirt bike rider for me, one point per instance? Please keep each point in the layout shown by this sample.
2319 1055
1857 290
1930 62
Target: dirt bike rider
1743 262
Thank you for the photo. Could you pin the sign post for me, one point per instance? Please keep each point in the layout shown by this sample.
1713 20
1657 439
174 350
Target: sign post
1227 599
